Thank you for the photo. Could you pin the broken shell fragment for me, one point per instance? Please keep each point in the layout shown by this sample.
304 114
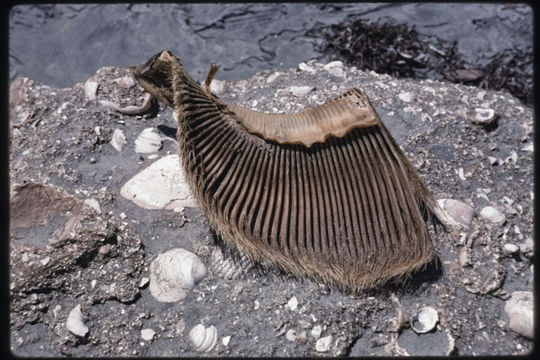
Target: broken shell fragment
118 139
458 212
483 116
323 344
203 338
148 141
424 320
75 322
174 273
90 89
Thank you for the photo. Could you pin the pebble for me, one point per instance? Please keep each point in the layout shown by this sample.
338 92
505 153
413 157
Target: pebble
520 312
300 90
144 282
162 185
316 331
406 96
458 212
492 160
323 344
75 322
305 67
94 204
527 247
225 340
335 68
118 139
511 248
217 87
147 334
125 82
90 89
290 335
493 215
273 77
292 303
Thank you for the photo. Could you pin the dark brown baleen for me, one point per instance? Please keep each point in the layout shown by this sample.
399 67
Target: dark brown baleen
325 193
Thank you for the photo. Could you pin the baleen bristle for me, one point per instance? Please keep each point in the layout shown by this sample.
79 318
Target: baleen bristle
340 205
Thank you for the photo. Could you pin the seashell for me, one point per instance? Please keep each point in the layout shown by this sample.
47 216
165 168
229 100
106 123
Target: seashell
118 139
174 273
75 322
457 212
483 116
302 191
148 141
520 313
203 338
291 335
305 67
424 320
493 215
228 267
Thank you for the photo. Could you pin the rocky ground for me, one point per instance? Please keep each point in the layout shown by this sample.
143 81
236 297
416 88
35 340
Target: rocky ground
80 252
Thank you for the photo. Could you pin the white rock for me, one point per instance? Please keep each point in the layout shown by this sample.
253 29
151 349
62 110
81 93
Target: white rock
511 248
75 322
161 185
316 331
225 340
527 247
174 273
217 87
90 89
305 67
292 303
457 212
483 116
118 139
125 82
203 338
144 282
520 312
148 141
333 64
493 215
94 204
300 90
406 96
147 334
323 344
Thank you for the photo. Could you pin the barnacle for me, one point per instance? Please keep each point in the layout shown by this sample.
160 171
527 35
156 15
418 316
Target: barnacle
325 193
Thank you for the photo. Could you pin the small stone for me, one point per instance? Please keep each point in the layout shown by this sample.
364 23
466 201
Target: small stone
302 337
292 303
45 260
406 97
148 141
90 89
458 212
144 282
527 247
493 215
520 312
273 77
125 82
300 90
92 160
147 334
225 340
316 331
323 344
511 248
217 87
97 130
305 67
94 204
105 249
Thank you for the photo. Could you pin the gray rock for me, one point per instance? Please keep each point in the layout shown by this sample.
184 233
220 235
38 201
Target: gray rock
493 215
520 313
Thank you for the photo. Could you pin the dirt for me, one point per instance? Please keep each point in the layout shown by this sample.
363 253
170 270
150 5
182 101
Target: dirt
71 254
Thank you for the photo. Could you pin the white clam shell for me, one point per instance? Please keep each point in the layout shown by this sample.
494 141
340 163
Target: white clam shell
174 273
75 322
493 215
424 320
203 338
118 139
483 116
148 141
